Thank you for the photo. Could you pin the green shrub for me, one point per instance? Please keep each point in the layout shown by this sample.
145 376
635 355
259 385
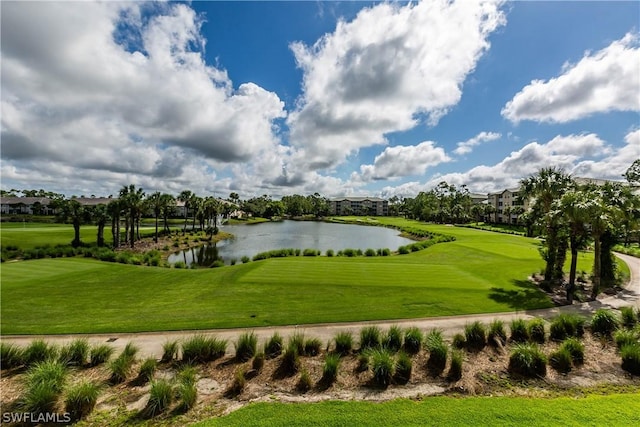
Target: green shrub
370 252
312 347
359 252
369 337
497 335
51 372
245 259
560 360
455 370
403 250
349 252
81 398
44 383
363 361
604 322
258 362
385 252
304 383
625 336
187 375
566 325
246 346
273 347
437 361
383 367
528 360
75 353
330 368
179 264
630 354
629 318
169 351
433 339
344 343
297 340
148 369
290 363
537 334
413 339
459 341
39 351
201 349
130 350
330 252
519 330
100 354
160 397
475 335
404 366
11 356
393 339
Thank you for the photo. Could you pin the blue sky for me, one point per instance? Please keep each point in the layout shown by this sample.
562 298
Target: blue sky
341 98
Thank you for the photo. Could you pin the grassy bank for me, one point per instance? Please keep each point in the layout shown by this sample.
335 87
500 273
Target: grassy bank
479 272
616 409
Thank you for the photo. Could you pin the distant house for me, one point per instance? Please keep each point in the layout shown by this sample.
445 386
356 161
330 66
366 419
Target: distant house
477 198
25 206
505 203
359 206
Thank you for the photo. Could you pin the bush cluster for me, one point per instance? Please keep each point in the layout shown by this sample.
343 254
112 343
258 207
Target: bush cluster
202 349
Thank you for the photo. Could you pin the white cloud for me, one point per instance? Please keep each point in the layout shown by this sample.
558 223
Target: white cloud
466 147
91 87
399 161
615 165
608 80
383 72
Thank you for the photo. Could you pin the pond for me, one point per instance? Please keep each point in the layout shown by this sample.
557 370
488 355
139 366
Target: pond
250 240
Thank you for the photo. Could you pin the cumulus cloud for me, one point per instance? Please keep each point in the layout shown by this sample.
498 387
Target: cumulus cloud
399 161
608 80
466 147
92 87
385 71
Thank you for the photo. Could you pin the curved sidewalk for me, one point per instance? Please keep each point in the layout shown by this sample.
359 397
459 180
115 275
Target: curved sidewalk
150 343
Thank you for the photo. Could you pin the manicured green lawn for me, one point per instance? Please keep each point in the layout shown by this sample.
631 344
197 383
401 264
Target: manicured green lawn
480 272
593 410
30 235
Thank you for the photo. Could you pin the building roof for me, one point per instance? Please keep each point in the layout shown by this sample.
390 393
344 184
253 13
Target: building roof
24 200
357 199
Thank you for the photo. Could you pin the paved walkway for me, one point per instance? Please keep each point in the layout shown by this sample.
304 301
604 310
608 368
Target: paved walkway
150 343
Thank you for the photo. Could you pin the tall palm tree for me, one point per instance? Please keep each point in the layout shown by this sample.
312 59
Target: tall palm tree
543 188
114 208
186 197
155 203
133 202
100 215
168 206
72 210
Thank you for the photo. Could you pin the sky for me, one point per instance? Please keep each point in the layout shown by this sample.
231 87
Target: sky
338 98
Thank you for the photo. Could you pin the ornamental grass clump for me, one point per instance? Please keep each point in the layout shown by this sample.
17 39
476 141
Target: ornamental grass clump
290 363
169 351
246 346
187 392
536 330
81 398
437 361
201 349
304 382
148 369
39 351
560 360
629 318
566 325
344 343
44 383
604 322
630 354
519 331
370 337
413 339
258 362
239 382
273 347
404 366
312 347
458 341
475 335
455 369
330 368
393 339
297 340
160 397
496 336
100 354
11 356
382 366
575 349
624 336
528 361
120 368
75 353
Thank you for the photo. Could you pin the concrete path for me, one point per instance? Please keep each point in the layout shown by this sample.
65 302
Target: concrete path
150 343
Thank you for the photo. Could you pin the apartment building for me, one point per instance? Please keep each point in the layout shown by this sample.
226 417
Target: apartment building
359 206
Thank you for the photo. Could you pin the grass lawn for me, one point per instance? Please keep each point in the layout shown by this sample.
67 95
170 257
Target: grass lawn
480 272
613 410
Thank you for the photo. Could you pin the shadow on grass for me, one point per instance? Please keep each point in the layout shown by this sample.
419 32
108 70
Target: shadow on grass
526 297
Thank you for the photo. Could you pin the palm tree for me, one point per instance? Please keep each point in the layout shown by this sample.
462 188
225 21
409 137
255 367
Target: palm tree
543 188
186 197
132 201
72 210
100 215
155 203
114 212
168 206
